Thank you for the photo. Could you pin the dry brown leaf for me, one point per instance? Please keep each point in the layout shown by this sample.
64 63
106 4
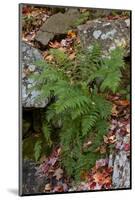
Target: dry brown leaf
58 173
114 110
122 102
49 58
112 139
54 44
87 144
103 149
98 177
43 158
62 49
72 56
105 139
47 187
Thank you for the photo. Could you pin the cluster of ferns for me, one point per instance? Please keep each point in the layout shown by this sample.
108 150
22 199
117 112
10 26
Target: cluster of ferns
80 109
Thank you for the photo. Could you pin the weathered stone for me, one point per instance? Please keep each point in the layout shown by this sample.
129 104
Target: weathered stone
57 24
28 56
32 182
109 33
120 162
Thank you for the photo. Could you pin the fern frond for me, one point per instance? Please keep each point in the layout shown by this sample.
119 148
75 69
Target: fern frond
47 132
88 121
37 149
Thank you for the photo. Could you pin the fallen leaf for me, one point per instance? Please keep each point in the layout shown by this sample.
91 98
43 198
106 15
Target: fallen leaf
87 144
101 163
126 147
58 188
105 139
112 139
71 34
58 173
43 159
47 187
122 102
72 56
98 177
114 110
52 161
49 58
54 44
103 149
128 128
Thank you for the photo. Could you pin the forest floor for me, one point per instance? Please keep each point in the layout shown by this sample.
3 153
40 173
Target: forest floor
118 137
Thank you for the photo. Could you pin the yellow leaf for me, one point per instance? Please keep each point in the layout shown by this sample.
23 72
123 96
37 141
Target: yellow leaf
71 34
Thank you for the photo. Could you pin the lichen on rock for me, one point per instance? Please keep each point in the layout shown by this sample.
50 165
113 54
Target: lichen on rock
28 57
109 33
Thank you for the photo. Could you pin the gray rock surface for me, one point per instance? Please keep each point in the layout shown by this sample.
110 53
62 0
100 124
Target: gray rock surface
120 161
57 24
28 56
109 33
32 182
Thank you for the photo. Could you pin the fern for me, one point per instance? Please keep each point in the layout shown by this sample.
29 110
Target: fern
47 132
88 121
110 71
37 149
83 113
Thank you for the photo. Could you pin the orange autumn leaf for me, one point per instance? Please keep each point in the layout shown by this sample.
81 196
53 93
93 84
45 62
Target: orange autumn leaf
122 102
71 34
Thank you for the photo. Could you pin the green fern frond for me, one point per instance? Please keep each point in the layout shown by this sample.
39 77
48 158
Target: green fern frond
47 132
37 149
88 121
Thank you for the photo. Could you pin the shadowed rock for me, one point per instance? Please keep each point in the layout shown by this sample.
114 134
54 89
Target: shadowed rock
57 24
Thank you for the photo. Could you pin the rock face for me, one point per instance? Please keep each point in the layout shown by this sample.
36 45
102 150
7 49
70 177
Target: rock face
120 160
57 24
109 33
28 56
32 183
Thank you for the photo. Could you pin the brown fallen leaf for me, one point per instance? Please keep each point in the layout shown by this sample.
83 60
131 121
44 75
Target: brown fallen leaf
103 149
47 187
72 56
112 139
49 58
114 110
122 102
58 173
87 144
105 139
54 44
98 177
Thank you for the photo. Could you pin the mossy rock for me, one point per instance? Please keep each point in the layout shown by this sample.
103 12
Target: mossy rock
28 147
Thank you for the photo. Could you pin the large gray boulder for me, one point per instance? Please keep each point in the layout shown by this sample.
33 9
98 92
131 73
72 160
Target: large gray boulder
28 57
57 24
109 33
